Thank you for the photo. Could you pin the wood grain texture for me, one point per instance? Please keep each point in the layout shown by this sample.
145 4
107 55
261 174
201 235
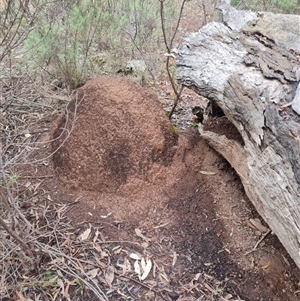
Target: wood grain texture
246 67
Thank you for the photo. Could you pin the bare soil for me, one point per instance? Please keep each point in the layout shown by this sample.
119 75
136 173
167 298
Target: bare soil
190 217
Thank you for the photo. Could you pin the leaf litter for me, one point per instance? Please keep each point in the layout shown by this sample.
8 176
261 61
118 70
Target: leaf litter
77 260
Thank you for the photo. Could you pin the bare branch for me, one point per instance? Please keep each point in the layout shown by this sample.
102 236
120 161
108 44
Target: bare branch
169 46
22 244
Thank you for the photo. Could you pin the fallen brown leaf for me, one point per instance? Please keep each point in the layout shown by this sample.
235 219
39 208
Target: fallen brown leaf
265 266
85 235
110 275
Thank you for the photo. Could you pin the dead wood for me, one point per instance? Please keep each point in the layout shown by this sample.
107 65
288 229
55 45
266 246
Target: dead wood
249 67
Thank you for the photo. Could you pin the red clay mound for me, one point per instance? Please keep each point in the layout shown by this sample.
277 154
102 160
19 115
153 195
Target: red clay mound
120 134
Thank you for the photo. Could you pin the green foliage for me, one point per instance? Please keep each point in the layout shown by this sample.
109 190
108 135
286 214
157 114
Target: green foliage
277 6
12 178
80 284
65 42
70 36
287 6
218 292
47 275
49 279
174 128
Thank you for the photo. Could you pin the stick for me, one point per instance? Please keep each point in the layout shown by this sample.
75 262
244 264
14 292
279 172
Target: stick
259 241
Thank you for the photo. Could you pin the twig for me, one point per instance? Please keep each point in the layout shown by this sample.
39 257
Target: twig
21 157
22 244
37 177
140 283
52 252
10 200
259 241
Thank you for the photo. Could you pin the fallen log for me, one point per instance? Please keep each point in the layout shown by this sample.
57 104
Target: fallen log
248 65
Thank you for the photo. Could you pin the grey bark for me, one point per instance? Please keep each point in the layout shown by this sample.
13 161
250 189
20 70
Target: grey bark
248 65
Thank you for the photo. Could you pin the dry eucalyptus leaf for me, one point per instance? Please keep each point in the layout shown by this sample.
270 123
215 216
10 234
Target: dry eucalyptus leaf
66 290
135 256
197 276
265 266
107 215
96 236
102 237
208 173
93 273
144 244
104 254
164 277
174 258
126 266
137 268
110 275
97 247
28 184
147 269
154 269
85 235
143 264
161 226
139 233
117 250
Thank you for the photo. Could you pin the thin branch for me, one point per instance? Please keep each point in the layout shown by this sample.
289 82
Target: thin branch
176 101
69 270
22 244
178 23
169 47
258 242
163 28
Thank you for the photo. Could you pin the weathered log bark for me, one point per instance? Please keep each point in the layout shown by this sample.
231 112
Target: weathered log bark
249 66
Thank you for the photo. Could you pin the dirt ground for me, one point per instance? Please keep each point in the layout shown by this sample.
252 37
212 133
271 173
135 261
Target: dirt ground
191 219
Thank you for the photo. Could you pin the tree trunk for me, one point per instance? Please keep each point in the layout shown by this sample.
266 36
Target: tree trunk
249 67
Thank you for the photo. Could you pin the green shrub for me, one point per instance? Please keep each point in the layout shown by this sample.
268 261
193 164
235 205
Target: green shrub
276 6
287 6
64 42
71 39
